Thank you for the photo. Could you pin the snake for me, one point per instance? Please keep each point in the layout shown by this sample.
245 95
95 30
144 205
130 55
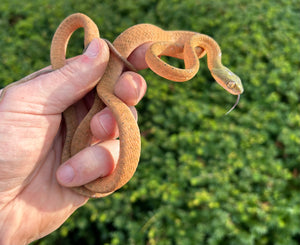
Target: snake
186 45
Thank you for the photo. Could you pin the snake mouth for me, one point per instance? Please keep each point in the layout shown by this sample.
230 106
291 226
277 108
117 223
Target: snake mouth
234 87
237 91
239 87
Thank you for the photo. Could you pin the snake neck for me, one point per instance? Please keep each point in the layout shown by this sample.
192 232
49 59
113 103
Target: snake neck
212 49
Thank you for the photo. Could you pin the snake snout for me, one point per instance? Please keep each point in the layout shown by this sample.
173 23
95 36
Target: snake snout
235 85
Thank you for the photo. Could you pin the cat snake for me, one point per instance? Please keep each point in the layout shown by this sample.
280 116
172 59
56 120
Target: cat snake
186 45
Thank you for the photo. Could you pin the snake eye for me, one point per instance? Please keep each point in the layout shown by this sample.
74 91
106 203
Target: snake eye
230 84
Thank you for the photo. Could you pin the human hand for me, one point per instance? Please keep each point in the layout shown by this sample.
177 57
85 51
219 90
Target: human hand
34 200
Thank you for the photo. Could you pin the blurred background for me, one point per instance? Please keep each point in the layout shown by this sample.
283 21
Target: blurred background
203 178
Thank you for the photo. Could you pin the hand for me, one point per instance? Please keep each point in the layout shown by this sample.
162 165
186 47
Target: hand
33 198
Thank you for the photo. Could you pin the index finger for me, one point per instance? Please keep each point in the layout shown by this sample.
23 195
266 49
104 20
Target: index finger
137 57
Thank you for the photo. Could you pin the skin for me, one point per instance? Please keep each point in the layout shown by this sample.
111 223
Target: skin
34 195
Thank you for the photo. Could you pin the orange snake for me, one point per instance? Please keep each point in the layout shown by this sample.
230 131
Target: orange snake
186 45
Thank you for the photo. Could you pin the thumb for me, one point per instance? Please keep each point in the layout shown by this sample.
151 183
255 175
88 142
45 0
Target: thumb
53 92
70 83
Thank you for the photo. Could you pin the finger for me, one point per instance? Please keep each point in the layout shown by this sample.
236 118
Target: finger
89 164
57 90
137 57
81 75
104 126
130 88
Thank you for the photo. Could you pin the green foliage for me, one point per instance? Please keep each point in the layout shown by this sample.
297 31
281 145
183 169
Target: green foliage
204 178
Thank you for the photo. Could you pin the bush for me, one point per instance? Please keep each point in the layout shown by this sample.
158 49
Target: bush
204 178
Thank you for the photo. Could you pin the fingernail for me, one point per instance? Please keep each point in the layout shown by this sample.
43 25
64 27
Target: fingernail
93 48
65 174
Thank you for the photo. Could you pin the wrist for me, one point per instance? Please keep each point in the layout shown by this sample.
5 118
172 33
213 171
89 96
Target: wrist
8 237
12 242
10 232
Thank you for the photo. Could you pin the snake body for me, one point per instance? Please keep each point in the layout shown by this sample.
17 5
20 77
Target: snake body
186 45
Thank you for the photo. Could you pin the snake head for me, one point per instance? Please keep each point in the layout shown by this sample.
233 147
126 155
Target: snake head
228 80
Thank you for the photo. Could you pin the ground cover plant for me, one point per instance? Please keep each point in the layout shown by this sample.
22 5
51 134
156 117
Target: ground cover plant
203 178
